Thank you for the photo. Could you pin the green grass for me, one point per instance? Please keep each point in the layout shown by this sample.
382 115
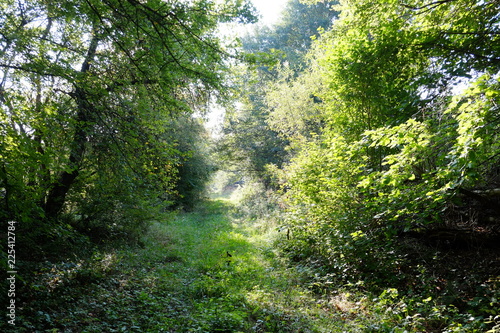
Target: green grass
182 280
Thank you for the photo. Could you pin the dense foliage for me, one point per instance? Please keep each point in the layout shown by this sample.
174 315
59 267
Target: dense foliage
277 53
361 139
392 149
93 95
409 105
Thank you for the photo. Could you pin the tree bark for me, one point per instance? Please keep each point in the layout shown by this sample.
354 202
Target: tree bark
488 193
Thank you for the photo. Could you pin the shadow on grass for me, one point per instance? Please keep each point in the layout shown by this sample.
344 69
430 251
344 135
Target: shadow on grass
200 271
237 284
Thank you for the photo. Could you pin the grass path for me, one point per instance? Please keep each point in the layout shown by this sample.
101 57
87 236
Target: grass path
203 271
210 271
226 276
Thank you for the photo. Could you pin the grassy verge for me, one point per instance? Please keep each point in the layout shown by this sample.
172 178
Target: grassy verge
208 271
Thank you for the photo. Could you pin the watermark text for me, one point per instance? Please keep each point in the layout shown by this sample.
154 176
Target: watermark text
11 272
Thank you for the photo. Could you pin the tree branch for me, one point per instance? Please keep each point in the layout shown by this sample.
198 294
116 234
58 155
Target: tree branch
427 7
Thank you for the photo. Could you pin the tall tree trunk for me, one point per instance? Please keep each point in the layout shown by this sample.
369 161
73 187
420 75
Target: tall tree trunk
58 191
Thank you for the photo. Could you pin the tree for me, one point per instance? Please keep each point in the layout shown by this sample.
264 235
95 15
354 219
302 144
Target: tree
296 111
279 52
401 143
291 36
248 145
89 90
197 165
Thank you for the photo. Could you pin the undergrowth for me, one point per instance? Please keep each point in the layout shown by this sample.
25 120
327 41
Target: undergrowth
213 270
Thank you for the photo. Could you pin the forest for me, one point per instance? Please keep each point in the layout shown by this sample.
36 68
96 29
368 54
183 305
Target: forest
352 183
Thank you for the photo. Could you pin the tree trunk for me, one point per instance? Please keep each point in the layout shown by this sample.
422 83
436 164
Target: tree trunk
58 191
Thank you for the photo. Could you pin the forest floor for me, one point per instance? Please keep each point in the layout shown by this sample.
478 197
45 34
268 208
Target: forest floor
201 271
209 270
